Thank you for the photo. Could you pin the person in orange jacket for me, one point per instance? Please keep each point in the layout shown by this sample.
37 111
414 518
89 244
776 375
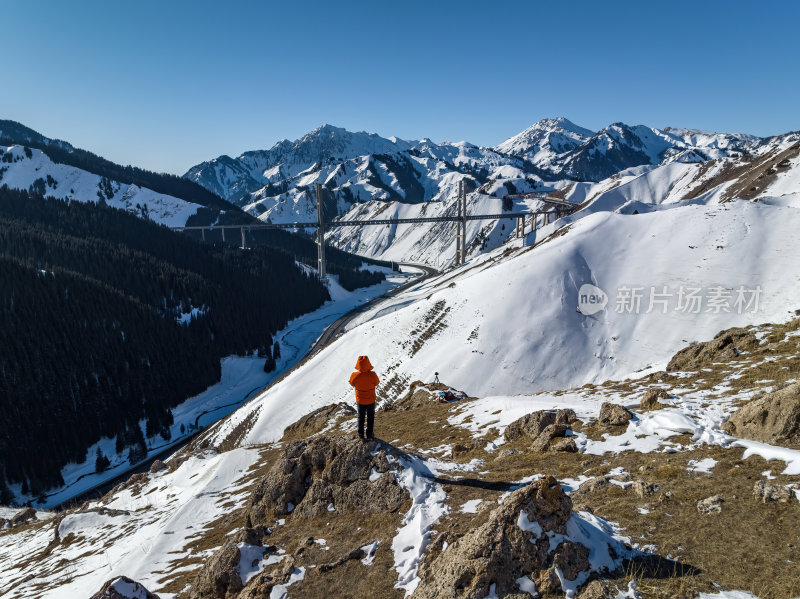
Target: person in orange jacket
364 381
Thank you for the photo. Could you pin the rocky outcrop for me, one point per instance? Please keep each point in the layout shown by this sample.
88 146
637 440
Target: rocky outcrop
261 585
220 577
598 589
724 347
773 419
566 445
514 542
650 399
612 414
767 491
123 588
327 473
157 466
24 516
318 420
533 424
420 394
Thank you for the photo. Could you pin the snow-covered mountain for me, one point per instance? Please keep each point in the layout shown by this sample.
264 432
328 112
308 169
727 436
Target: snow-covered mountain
276 185
641 188
504 328
233 178
26 168
619 146
544 142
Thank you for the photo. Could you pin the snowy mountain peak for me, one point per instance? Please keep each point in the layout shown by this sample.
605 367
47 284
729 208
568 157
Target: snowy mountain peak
544 141
561 124
326 144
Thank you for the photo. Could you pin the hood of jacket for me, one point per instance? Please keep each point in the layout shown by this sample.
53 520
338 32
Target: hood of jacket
363 364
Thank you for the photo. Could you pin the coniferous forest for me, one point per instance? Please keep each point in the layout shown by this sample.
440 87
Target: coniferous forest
90 300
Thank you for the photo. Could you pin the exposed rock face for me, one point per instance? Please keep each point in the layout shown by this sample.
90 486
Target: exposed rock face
261 585
614 414
20 517
598 589
323 473
650 399
123 588
156 466
511 544
722 348
767 492
312 423
710 505
565 445
219 578
535 423
774 418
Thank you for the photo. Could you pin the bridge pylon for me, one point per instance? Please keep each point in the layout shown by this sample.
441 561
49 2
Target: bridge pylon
320 235
461 225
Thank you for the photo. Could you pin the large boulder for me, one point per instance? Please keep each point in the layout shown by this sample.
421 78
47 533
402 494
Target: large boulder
221 574
533 424
513 543
323 474
650 399
123 588
768 492
614 414
550 432
773 419
724 347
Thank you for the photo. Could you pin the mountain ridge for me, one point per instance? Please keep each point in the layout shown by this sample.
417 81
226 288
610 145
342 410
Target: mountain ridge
275 185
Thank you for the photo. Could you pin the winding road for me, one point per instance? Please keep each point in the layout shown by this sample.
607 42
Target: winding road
331 332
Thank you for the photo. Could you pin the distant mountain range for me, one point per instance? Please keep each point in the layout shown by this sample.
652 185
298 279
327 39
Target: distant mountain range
276 184
31 161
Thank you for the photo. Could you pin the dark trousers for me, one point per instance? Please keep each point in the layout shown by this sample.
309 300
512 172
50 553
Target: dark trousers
369 412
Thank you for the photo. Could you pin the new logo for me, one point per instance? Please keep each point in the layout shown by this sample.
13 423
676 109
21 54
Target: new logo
591 299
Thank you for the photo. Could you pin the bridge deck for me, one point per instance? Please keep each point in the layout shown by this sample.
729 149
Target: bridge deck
363 223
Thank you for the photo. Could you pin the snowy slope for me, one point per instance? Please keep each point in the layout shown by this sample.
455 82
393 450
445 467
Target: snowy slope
509 324
242 378
426 243
502 327
636 189
23 169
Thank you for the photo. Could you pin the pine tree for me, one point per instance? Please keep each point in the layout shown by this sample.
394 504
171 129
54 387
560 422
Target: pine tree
101 462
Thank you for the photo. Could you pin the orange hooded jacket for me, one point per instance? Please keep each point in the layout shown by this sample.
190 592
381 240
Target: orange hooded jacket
364 380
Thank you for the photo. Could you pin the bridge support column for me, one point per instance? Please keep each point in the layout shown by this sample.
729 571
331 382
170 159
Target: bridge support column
320 235
223 234
459 226
463 223
203 234
244 241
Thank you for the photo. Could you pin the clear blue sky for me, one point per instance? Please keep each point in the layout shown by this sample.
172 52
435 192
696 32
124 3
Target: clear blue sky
167 84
